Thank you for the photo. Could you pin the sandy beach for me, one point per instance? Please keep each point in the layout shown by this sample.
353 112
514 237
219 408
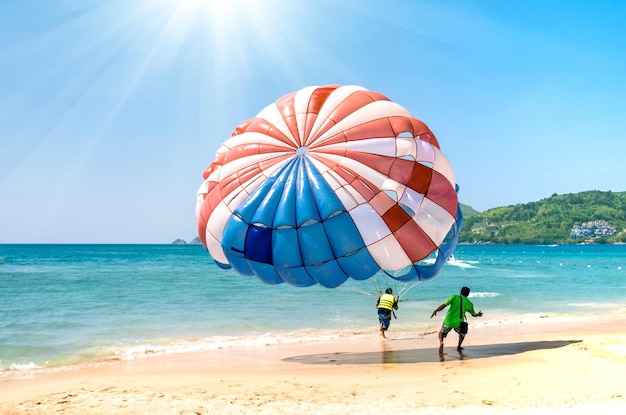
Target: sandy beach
540 367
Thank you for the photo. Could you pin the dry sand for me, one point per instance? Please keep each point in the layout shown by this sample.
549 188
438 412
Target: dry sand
521 368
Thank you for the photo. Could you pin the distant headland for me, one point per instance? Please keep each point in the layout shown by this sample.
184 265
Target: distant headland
194 241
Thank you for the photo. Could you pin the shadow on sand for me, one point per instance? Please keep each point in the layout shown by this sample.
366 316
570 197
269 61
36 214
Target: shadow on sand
426 355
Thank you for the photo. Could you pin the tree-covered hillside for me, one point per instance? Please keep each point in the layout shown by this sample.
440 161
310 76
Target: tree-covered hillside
552 220
468 211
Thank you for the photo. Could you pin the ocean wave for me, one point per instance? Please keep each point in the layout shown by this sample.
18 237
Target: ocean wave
528 276
169 346
460 263
21 367
484 294
172 346
597 305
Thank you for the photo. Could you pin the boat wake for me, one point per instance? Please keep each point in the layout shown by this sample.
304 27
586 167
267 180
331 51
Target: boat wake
459 263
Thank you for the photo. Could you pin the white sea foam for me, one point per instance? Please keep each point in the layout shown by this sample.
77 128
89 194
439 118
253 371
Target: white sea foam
124 352
173 346
24 367
483 294
597 305
20 369
460 263
527 276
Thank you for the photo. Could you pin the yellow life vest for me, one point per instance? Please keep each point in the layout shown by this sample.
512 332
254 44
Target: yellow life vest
386 301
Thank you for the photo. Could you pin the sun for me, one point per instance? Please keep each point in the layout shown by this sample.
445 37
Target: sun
224 11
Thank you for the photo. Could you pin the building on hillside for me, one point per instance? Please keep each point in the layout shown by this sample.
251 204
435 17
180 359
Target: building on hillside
592 229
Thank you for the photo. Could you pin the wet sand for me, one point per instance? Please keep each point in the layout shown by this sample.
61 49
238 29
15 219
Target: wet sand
540 367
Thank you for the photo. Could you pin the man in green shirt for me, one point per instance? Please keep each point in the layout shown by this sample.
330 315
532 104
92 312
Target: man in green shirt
459 305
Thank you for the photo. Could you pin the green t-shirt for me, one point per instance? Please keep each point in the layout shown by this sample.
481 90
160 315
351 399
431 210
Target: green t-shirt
453 316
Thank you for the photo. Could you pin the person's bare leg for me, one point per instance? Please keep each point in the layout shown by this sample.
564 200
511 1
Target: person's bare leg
440 342
461 338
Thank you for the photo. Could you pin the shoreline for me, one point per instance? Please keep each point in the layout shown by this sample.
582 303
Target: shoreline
540 366
260 341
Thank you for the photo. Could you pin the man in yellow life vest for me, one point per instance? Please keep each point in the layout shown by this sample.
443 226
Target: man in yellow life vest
386 303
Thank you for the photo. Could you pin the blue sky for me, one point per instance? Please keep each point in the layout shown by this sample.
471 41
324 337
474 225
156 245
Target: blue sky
110 110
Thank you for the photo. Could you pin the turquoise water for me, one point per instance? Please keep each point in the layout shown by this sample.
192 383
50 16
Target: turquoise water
75 304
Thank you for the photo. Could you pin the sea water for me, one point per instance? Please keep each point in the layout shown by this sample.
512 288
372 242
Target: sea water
68 305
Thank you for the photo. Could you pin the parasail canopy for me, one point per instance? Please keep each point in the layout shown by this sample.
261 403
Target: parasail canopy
330 183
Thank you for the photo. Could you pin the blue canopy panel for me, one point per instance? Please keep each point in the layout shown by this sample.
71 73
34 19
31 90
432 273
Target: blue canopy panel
348 247
259 205
359 265
293 228
272 197
297 276
328 274
285 213
326 201
233 244
317 254
306 205
221 265
287 260
236 242
266 273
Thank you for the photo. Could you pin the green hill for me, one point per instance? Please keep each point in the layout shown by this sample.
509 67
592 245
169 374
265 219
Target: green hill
468 211
593 216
